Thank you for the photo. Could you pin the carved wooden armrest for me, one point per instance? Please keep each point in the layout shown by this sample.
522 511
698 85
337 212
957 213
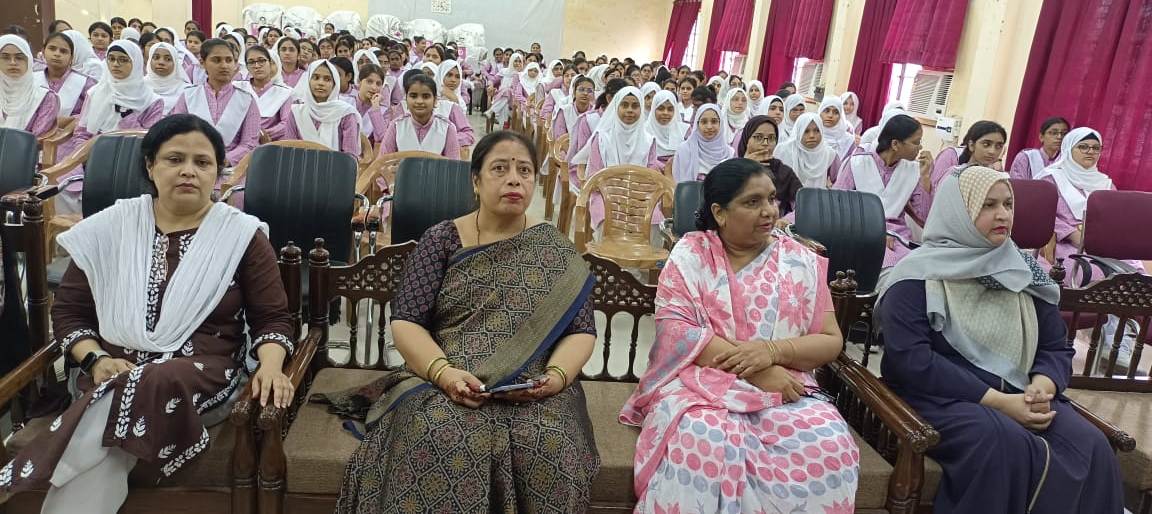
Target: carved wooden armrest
27 372
904 422
272 417
1119 439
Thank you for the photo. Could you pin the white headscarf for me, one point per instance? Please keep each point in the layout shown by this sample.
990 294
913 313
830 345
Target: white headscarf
810 164
327 112
716 79
620 143
19 98
697 155
733 122
648 88
571 115
597 73
130 34
1074 181
84 59
274 97
790 103
548 78
757 108
169 88
527 82
130 93
840 136
854 118
364 52
442 73
668 136
868 140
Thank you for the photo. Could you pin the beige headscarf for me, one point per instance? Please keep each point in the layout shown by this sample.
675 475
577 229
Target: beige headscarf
979 295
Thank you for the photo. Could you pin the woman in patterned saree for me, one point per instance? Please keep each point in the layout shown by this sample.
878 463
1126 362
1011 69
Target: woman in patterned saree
729 422
488 299
154 308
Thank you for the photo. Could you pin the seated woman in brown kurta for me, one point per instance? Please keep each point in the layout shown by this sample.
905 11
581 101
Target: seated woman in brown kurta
153 308
491 298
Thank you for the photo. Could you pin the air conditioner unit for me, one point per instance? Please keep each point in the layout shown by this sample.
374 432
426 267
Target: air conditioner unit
811 77
930 91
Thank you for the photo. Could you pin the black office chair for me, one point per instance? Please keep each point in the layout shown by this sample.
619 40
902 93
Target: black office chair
302 194
427 192
851 227
684 206
18 160
113 171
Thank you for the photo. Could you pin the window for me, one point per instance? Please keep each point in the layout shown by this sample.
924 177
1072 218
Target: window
808 75
732 62
900 85
690 52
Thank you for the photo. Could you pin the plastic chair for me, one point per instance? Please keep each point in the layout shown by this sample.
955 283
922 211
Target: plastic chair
631 194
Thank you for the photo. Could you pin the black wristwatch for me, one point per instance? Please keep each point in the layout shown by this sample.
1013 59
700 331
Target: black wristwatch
90 360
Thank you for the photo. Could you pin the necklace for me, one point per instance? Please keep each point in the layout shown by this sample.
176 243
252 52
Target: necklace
478 242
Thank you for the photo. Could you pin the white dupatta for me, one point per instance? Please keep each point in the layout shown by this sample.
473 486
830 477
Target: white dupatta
407 139
1074 181
19 98
899 190
231 117
328 112
114 250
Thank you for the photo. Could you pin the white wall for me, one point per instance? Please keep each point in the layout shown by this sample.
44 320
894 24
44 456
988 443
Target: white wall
516 23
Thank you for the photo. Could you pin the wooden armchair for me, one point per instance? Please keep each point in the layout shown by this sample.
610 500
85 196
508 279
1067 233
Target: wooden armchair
630 194
222 479
304 449
891 437
1114 399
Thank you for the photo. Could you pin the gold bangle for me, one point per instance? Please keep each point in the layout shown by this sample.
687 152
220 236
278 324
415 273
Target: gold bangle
558 369
428 370
436 378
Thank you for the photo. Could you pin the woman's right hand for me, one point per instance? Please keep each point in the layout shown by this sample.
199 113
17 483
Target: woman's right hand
108 367
462 387
777 379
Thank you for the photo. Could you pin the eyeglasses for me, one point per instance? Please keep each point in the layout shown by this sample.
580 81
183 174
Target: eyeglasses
760 138
119 60
257 62
585 90
1087 148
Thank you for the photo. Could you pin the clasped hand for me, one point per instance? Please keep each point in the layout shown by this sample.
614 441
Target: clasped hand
1032 408
755 361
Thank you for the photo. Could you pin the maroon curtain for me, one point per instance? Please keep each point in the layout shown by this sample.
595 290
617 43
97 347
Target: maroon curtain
925 32
684 15
730 27
1089 59
202 14
775 64
870 75
811 20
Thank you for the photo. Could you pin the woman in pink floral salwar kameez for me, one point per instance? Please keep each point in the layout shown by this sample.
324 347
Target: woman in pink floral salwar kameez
730 414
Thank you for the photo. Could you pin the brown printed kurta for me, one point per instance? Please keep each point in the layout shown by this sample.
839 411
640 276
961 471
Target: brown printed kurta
156 407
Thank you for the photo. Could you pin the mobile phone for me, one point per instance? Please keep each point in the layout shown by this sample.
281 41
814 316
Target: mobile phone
511 387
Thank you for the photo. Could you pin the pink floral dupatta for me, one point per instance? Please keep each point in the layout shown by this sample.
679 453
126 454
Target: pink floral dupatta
781 294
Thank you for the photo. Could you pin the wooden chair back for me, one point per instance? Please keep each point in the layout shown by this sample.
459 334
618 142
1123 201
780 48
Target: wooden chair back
1125 298
372 282
367 152
617 292
631 194
384 168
